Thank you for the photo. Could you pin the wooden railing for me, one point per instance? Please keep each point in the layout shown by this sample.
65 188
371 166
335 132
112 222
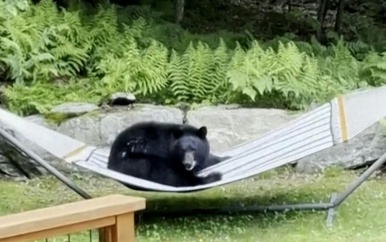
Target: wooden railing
113 215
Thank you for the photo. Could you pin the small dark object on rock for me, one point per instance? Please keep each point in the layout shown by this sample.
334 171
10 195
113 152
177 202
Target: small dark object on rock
122 99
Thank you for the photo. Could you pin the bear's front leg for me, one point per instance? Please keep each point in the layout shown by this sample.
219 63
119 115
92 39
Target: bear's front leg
212 177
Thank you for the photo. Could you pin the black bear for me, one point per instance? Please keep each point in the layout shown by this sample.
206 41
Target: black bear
165 153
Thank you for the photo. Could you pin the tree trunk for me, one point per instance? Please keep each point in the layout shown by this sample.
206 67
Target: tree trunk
178 10
322 11
339 17
289 3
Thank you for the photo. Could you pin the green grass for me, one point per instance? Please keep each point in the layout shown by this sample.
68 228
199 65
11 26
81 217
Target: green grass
360 218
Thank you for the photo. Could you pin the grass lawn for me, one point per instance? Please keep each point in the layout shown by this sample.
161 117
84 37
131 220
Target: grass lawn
362 217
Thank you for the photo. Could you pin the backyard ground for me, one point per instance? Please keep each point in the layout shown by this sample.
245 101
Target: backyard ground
362 217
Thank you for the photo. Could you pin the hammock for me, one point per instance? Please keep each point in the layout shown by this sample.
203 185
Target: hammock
332 123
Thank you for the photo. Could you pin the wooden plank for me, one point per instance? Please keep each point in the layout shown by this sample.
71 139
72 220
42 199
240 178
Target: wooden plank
342 119
123 230
68 214
105 234
28 237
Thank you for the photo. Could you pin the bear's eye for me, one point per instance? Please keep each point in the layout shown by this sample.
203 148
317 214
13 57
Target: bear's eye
191 147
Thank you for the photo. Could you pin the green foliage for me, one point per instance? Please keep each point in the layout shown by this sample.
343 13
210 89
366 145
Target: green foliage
374 69
40 44
287 71
40 97
366 29
140 71
49 56
199 73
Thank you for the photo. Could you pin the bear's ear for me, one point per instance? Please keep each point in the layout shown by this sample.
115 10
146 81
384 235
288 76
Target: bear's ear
177 133
202 132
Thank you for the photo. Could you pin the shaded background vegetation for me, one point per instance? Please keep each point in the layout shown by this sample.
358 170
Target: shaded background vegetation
283 54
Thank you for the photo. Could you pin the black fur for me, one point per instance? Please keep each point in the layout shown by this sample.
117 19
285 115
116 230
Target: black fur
155 151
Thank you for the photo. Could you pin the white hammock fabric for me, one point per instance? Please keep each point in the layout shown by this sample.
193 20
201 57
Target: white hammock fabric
335 122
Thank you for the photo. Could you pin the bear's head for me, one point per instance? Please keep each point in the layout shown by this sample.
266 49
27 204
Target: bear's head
191 147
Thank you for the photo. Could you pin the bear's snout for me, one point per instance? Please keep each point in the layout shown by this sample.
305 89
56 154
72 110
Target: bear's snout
189 162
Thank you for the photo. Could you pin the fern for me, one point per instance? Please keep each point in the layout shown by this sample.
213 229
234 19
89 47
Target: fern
139 71
45 54
373 69
39 44
199 73
220 86
41 97
290 72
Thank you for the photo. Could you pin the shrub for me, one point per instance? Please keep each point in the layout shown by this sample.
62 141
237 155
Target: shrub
50 56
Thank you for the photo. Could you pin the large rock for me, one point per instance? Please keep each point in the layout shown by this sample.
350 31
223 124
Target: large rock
24 141
6 169
74 108
101 128
362 149
93 129
229 127
110 125
15 165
